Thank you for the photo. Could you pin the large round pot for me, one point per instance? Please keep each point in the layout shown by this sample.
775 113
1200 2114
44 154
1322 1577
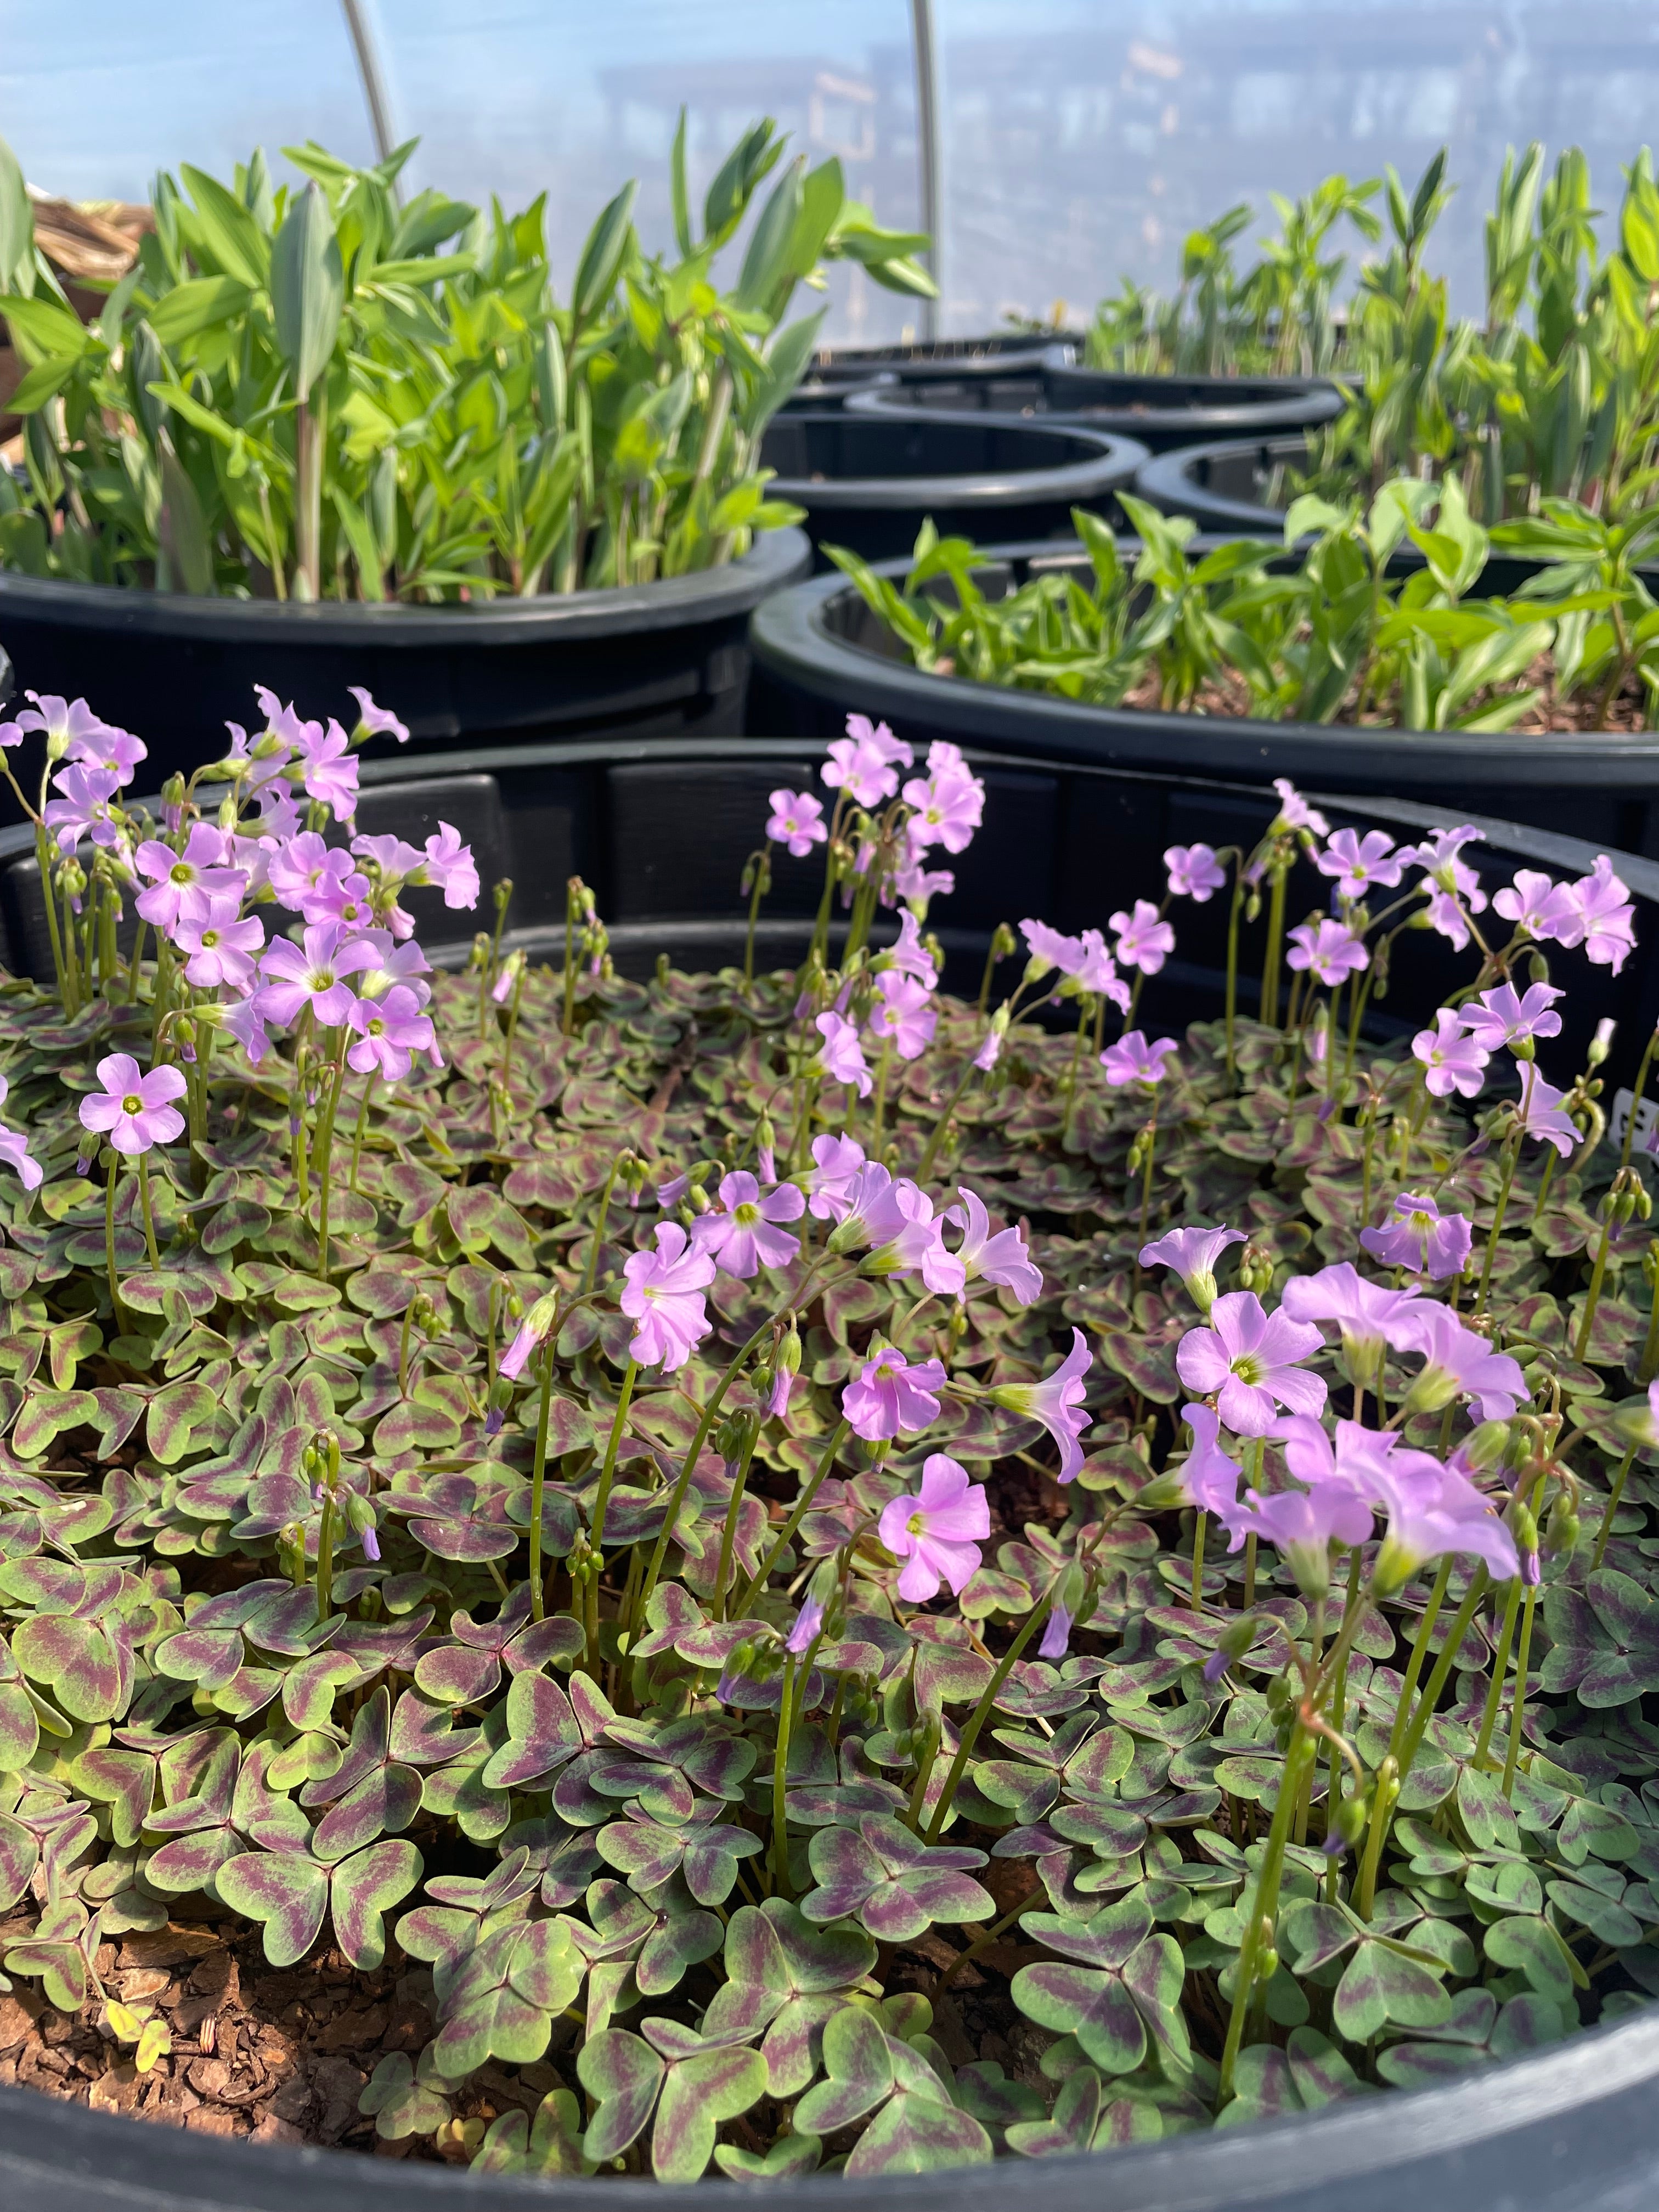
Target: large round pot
1232 487
868 483
829 384
1166 411
1008 366
1567 2129
820 654
665 658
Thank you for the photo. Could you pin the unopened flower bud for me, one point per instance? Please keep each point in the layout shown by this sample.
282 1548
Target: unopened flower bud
1538 967
1560 1537
1601 1042
1255 1269
1487 1445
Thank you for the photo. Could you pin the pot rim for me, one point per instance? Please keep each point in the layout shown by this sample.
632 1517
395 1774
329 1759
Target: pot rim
776 558
1117 458
791 631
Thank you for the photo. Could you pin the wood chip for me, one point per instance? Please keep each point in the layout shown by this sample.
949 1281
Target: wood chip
167 1947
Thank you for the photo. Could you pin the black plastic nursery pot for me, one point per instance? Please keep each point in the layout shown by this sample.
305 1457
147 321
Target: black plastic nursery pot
868 482
664 659
660 833
1169 411
1228 487
829 384
820 654
1008 366
1164 413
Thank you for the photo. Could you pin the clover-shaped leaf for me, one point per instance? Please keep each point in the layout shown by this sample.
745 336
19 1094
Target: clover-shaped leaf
292 1893
402 2103
789 1977
895 1884
1129 1981
504 1998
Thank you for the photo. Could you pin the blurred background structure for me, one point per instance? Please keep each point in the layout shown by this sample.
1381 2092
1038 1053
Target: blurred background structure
1079 140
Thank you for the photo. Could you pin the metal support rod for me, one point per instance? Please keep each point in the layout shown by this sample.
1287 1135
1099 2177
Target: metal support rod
374 88
927 154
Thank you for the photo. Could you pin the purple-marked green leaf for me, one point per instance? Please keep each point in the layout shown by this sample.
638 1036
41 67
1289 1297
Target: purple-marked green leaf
1070 2127
917 2135
85 1664
681 1939
383 1802
1265 2086
791 2156
1312 1934
46 1415
361 1891
287 1623
897 1886
857 2059
266 1816
122 1780
543 1734
503 1998
700 2092
398 2103
985 2091
424 1733
216 1759
948 1677
310 1689
1321 2073
1588 1828
209 1657
1027 1792
20 1727
710 1866
287 1891
192 1861
173 1414
20 1855
1378 1986
1535 1948
641 1851
1096 2007
624 2073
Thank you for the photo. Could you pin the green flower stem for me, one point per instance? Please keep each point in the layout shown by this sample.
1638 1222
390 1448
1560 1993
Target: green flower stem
326 1151
568 1015
1072 1071
537 1478
1614 1496
1146 1179
1274 945
1338 1673
981 1713
942 1122
1387 1789
1512 1154
1420 1650
781 1783
1264 1906
734 1507
1443 1666
1593 1296
984 980
1544 1182
602 1499
1518 1706
149 1219
705 1423
1650 1358
1494 1688
136 965
884 1065
512 1030
763 867
324 1558
925 1765
590 1274
43 861
109 1241
1199 1526
1636 1089
362 1125
798 1514
1232 968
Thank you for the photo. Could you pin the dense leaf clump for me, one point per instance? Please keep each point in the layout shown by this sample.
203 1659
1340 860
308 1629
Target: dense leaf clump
707 1547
